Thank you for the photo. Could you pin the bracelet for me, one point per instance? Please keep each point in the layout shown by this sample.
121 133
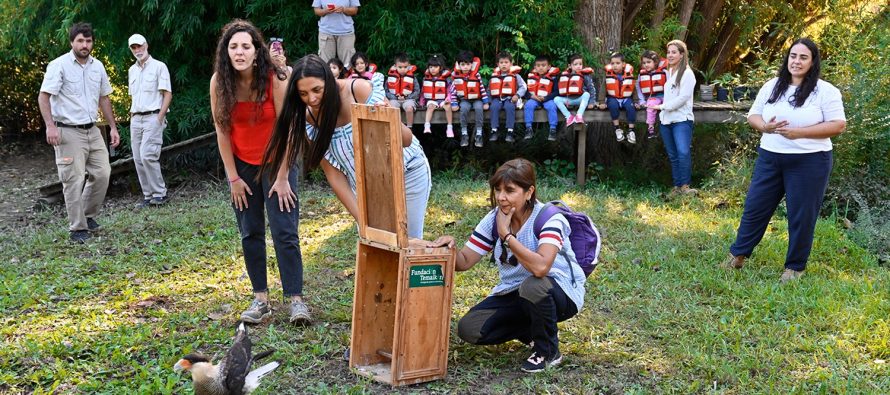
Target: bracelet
234 181
505 239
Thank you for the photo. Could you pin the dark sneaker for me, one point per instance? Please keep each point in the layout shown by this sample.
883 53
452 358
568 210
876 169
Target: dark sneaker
299 313
92 225
510 137
552 135
80 236
464 140
478 140
651 134
494 136
144 203
257 312
529 132
537 363
159 201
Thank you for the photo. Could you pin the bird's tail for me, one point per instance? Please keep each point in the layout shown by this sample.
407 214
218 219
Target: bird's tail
252 381
263 354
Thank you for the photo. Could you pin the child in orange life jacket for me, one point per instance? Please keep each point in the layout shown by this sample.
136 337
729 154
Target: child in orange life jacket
541 85
650 87
364 69
402 89
437 92
506 88
619 95
337 68
575 87
469 92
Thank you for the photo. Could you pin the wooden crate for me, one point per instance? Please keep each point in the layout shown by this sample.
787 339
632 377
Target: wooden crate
402 303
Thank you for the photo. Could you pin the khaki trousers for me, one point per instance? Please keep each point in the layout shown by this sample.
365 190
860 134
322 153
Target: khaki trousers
146 139
82 152
340 47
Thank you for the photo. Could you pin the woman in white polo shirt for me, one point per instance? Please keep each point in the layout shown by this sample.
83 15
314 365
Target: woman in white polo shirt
797 113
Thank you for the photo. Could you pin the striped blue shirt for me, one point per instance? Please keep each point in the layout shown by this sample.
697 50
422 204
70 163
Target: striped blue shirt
341 154
555 231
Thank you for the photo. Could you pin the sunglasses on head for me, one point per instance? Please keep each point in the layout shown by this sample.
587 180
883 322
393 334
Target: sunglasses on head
276 39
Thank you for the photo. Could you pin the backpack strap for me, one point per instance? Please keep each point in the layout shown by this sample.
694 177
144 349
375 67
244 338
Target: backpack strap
550 209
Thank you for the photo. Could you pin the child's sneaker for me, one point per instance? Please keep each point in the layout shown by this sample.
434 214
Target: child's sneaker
478 139
510 138
529 133
537 363
631 136
464 140
651 133
579 119
570 120
619 134
449 131
426 128
552 135
494 136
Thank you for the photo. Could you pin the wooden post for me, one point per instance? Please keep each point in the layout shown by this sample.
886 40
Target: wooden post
401 313
581 167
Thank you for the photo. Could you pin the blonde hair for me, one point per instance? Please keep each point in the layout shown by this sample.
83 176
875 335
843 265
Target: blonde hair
684 62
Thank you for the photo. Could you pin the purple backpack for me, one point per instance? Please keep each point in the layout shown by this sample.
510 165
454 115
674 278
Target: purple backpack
585 238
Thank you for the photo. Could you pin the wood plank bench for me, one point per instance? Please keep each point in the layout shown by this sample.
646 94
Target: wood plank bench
705 112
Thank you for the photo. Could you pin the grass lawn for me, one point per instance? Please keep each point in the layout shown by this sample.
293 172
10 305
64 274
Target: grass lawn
114 315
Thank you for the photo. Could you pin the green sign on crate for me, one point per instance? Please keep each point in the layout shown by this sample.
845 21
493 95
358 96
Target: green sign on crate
426 276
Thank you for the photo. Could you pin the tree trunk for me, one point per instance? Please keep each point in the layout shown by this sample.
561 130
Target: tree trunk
630 13
658 14
710 11
599 22
727 42
685 16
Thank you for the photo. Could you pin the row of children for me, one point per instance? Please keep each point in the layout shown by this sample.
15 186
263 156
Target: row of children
462 89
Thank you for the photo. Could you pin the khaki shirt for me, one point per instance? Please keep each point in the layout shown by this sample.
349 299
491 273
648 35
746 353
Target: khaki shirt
146 83
75 88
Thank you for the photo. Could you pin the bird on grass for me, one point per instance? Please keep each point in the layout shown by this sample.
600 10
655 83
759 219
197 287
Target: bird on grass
231 377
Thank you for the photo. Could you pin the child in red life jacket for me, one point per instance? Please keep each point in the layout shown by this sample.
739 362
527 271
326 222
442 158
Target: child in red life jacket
541 86
619 95
469 93
364 69
650 87
575 87
402 89
437 92
337 68
506 88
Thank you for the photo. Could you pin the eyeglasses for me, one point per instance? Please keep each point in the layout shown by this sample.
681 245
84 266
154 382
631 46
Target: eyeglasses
276 39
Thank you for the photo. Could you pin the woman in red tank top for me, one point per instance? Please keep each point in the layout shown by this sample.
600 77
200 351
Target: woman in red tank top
246 94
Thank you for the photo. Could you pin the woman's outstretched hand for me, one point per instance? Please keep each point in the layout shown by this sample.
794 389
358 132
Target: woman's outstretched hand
442 241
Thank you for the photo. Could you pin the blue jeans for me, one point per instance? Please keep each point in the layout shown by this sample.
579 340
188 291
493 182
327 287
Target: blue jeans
283 224
465 106
802 179
678 143
417 193
580 101
531 105
508 106
615 106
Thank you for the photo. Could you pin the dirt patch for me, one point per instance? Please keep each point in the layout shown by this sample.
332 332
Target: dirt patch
24 166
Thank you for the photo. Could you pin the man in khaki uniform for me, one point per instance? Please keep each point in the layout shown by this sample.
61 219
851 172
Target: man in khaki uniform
74 87
149 85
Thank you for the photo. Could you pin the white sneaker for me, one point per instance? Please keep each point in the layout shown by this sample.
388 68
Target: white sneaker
631 137
619 135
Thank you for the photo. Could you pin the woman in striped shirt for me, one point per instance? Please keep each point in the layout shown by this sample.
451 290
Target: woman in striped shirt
318 111
541 282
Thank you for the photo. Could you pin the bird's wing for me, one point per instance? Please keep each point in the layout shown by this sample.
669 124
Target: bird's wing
252 381
237 361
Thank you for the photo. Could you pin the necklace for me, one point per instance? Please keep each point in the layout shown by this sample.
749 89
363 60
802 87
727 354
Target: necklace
311 115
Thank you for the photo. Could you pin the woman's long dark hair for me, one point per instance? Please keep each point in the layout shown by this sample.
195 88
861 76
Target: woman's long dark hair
809 81
289 140
226 74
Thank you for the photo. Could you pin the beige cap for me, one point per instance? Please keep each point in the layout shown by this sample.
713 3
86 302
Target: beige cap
136 39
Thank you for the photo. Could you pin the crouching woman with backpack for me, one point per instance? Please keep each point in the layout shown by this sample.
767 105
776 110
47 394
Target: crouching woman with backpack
541 282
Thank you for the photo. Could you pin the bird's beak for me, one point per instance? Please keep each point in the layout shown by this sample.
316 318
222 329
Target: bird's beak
181 365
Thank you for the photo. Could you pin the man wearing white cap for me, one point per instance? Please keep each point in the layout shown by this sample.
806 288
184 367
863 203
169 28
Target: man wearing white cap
149 82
